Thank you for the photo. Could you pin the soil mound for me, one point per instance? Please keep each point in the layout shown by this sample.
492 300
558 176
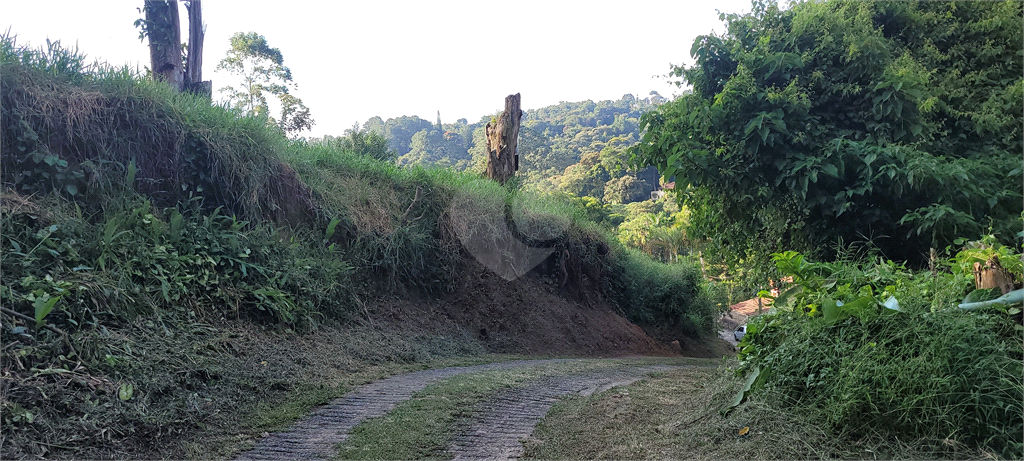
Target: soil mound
532 315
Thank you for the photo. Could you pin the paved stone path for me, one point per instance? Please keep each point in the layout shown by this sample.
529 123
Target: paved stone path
315 436
494 433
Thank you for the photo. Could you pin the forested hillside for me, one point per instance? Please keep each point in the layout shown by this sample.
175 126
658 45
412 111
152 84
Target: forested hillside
576 147
871 138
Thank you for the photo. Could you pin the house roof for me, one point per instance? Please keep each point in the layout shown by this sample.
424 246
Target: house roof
750 307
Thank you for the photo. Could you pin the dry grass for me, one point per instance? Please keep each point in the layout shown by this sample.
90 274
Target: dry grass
677 416
200 392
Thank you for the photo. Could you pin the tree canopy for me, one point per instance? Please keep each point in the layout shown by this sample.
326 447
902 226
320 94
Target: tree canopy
894 122
263 72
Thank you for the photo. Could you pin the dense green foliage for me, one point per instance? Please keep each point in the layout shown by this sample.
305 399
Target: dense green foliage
897 123
171 221
874 348
671 296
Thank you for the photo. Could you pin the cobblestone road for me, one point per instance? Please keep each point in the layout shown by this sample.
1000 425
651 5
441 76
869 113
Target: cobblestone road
496 429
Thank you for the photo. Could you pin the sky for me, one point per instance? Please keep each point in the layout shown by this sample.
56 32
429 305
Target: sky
353 60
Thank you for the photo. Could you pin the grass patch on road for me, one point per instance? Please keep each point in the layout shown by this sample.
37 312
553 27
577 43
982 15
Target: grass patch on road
424 426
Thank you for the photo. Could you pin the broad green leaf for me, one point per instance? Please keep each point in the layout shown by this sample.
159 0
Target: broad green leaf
744 391
43 306
786 297
130 178
125 392
864 307
330 228
832 312
982 294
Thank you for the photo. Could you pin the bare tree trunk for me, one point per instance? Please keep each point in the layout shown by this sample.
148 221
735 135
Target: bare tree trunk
503 140
164 33
194 62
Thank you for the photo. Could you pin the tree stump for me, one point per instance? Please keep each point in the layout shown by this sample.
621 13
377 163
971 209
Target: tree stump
993 275
503 141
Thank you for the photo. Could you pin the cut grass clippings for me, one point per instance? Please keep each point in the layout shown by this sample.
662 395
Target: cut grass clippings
676 415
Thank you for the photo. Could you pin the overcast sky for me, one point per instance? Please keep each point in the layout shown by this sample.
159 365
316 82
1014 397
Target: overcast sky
356 59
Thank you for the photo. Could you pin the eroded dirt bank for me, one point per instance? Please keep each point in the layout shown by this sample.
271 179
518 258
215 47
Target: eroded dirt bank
535 315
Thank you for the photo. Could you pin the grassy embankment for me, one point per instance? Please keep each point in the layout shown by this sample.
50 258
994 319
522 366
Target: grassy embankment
174 274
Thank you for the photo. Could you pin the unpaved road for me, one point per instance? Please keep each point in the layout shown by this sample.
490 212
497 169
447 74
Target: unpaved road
495 431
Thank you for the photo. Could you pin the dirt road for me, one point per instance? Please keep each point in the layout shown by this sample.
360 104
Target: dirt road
495 428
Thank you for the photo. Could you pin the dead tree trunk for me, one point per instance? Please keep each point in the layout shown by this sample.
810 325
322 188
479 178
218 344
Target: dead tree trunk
163 29
503 140
993 275
194 62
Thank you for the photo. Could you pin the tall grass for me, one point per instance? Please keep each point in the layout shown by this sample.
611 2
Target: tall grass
89 122
929 373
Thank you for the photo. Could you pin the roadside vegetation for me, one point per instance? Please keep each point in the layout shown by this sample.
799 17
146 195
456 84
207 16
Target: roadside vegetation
871 348
860 358
847 154
823 124
677 415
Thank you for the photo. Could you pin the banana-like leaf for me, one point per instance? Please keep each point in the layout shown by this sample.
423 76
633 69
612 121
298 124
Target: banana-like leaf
744 392
832 311
43 307
982 294
787 296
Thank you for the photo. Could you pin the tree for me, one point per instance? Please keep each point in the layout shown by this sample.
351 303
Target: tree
895 122
586 178
162 26
400 131
364 142
263 73
626 189
374 124
431 147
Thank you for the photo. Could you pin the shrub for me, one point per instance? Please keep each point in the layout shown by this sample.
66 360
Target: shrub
654 293
927 371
